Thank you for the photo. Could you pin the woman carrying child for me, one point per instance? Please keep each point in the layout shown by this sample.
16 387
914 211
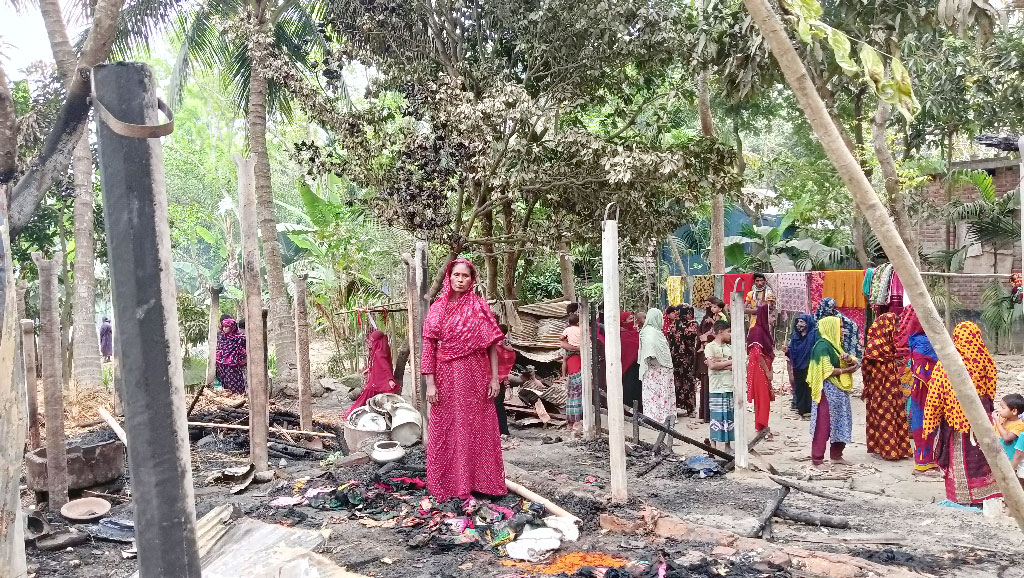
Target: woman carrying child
572 366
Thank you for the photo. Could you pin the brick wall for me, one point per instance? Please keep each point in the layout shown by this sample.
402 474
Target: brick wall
932 234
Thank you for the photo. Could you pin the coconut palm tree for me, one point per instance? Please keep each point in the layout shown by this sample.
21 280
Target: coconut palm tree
85 353
235 39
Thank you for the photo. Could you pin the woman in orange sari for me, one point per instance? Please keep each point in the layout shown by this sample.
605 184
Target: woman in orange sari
969 479
888 431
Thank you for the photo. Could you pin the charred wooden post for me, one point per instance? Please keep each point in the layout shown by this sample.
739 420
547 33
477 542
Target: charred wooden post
53 381
28 356
586 361
302 354
148 342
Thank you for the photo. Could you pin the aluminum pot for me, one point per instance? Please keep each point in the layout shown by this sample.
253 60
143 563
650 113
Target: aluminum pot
406 424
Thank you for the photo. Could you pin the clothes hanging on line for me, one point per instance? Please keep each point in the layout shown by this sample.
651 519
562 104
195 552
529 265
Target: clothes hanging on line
703 289
791 292
746 283
845 286
674 290
815 283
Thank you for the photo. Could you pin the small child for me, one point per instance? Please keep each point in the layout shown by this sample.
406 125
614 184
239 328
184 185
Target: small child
572 338
1007 423
718 356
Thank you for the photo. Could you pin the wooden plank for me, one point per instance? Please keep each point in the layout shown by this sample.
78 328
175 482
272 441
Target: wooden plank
805 487
212 331
613 363
739 377
53 381
147 339
552 507
28 353
254 323
586 359
302 354
118 430
422 285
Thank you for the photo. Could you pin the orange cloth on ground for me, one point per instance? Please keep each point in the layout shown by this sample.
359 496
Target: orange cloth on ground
846 287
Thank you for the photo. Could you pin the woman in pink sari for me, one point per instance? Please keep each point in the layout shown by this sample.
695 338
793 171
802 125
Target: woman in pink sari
460 364
380 377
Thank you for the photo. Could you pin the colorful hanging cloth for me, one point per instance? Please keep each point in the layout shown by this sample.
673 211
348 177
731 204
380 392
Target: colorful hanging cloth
703 289
746 283
815 282
791 292
880 285
674 290
869 275
845 286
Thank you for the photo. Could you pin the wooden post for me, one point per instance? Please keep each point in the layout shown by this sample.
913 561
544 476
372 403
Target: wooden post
1020 191
28 356
598 376
147 337
410 386
613 359
53 381
422 282
739 376
586 355
212 331
636 421
12 425
259 412
302 354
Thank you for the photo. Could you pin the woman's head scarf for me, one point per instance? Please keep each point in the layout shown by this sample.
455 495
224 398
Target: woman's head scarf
629 339
881 338
653 343
801 344
761 333
461 326
826 357
851 332
941 403
909 326
231 345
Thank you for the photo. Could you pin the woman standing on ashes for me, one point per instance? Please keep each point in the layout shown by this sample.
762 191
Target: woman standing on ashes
659 397
805 335
380 377
231 356
460 364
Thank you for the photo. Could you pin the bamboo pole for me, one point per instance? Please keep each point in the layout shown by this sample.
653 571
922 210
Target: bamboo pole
613 359
259 412
302 354
53 381
878 218
739 376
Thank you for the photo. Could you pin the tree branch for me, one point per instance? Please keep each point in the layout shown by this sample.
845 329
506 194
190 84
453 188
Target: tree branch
70 124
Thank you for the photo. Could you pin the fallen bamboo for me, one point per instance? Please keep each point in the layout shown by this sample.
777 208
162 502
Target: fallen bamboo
812 519
535 497
118 430
657 426
273 429
764 522
805 488
650 467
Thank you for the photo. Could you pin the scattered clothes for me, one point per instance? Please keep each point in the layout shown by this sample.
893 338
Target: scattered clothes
952 504
586 480
702 467
286 501
534 545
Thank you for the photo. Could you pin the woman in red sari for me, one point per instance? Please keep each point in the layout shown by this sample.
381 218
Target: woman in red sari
888 431
380 377
760 355
460 364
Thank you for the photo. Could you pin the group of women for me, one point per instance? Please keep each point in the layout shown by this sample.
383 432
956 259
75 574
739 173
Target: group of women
910 407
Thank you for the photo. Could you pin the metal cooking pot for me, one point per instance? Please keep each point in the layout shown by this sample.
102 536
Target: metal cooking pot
406 424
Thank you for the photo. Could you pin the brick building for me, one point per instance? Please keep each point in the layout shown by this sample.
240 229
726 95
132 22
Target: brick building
1005 173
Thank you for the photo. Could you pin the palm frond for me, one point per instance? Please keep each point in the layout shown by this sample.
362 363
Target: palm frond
980 180
997 230
201 46
140 22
